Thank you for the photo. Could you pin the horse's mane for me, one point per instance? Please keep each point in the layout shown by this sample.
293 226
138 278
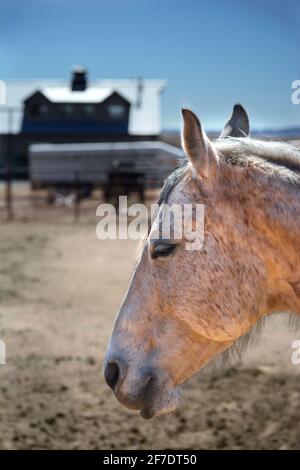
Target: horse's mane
280 157
240 151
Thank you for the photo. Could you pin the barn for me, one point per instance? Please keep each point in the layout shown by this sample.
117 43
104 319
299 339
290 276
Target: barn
92 132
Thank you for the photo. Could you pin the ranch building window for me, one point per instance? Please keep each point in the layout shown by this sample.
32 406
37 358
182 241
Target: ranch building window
116 111
68 109
38 110
89 109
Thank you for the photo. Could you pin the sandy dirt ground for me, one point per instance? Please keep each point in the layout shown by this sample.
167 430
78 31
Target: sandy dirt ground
60 288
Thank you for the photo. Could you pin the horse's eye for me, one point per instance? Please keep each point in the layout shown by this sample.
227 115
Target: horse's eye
163 249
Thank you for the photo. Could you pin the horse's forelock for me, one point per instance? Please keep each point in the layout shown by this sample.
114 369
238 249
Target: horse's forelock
172 181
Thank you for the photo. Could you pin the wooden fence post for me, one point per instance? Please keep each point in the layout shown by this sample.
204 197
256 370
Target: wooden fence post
76 216
9 169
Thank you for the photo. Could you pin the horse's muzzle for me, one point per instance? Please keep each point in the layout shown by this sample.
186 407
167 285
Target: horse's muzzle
131 385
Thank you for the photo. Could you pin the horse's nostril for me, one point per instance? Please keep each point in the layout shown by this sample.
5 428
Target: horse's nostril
111 374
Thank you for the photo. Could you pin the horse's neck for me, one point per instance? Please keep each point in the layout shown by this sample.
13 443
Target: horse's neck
282 231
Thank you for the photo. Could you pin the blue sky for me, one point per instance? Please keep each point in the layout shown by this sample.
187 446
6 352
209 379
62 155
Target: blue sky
212 53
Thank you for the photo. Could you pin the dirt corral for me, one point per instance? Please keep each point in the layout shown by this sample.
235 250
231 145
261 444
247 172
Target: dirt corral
60 288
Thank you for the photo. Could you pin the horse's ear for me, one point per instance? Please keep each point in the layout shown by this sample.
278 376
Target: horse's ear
238 124
198 147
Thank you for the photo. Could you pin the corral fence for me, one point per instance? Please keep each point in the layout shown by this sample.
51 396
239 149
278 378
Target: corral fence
57 206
